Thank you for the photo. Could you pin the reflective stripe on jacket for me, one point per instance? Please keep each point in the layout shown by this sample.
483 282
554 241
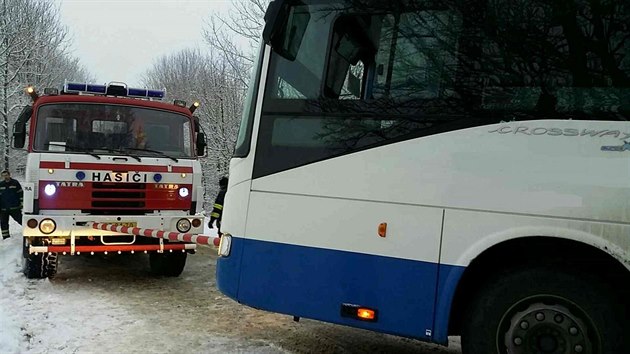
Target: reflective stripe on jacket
217 208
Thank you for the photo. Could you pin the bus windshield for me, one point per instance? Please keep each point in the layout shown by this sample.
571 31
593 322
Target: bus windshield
417 68
79 127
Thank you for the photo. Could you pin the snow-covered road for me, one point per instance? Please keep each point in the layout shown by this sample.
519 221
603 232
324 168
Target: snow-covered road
112 304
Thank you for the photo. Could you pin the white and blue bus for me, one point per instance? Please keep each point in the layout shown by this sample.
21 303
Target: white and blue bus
437 168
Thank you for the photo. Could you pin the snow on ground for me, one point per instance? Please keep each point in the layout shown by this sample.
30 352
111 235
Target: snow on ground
10 333
100 304
70 313
31 306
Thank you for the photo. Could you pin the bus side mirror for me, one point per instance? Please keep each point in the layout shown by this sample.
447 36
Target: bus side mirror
273 20
285 24
19 127
201 144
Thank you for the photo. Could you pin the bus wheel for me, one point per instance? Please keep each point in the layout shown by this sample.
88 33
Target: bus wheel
545 310
167 264
39 266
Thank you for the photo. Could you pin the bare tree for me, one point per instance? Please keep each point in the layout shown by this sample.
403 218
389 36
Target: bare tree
33 50
237 36
208 78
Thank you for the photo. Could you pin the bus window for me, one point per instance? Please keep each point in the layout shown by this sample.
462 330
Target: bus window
380 77
416 55
408 55
301 77
388 74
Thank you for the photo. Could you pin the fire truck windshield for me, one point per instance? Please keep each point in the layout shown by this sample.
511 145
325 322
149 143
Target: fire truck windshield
107 129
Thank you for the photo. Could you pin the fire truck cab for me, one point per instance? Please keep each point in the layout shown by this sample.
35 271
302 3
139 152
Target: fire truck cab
108 155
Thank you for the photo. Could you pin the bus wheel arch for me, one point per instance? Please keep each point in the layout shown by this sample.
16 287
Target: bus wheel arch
535 252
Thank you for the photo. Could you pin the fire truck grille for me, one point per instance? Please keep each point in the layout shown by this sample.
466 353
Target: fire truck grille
118 196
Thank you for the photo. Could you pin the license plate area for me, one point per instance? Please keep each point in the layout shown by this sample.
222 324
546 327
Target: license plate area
118 240
124 223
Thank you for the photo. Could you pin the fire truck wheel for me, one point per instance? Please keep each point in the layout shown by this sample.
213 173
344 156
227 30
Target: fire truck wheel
546 310
167 264
41 265
24 247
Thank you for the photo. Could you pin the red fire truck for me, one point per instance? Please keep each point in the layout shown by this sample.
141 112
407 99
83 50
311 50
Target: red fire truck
108 155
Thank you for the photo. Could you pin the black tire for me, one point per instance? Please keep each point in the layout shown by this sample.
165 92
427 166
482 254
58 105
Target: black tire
41 265
534 309
167 264
24 247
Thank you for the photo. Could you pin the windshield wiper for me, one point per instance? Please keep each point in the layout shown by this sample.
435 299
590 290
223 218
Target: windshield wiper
123 152
154 151
75 148
118 151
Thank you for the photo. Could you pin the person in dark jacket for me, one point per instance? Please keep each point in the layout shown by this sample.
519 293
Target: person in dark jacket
11 199
217 209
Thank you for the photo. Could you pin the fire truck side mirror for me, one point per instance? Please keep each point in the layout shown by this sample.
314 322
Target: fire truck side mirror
19 140
19 128
201 144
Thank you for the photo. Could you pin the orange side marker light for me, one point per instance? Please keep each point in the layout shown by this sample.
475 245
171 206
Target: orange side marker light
365 314
382 229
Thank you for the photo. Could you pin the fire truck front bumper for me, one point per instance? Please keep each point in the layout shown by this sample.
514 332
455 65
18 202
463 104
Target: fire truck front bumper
65 226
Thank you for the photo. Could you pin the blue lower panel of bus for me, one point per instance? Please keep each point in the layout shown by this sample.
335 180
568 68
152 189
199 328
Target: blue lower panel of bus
314 283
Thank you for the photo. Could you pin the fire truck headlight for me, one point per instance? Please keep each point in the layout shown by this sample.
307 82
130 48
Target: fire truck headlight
50 190
47 226
183 192
183 225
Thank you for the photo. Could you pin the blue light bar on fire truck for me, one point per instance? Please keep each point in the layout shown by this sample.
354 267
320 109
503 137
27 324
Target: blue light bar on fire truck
85 88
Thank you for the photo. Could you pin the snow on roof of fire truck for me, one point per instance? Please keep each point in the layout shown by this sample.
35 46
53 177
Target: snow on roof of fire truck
112 100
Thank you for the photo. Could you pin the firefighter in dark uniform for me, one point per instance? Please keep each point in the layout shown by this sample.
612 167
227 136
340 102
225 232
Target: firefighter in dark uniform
11 198
217 209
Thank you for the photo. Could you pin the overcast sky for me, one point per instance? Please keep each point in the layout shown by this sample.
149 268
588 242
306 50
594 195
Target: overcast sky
118 40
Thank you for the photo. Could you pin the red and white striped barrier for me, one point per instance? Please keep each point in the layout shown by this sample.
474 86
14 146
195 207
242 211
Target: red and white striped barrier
173 236
111 248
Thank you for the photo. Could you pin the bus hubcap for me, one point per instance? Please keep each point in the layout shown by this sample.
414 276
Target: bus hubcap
543 328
